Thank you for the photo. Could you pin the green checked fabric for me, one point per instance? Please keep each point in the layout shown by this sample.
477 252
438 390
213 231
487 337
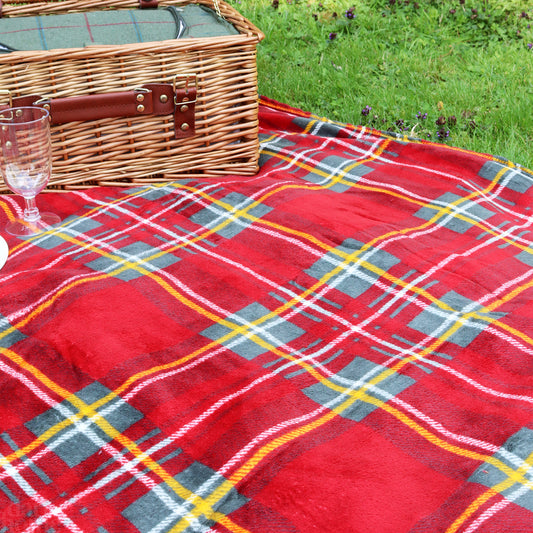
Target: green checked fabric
75 30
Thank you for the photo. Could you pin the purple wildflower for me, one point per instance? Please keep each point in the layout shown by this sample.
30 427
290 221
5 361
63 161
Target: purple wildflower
350 13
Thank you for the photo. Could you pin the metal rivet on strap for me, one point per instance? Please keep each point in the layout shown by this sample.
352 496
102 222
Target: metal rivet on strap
8 144
140 98
184 108
163 98
18 113
140 108
185 126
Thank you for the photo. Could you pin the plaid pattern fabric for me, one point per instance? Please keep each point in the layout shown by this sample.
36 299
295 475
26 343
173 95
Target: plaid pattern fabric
343 342
111 27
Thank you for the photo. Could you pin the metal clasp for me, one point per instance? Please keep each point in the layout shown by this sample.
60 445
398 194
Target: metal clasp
42 102
186 80
6 92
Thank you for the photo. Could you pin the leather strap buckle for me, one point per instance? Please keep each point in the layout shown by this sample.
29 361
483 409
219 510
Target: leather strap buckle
190 92
158 99
185 88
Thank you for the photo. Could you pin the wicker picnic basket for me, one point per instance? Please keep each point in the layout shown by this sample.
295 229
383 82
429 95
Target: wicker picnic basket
202 121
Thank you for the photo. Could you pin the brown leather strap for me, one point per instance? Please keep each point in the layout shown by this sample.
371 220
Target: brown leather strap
148 4
150 99
98 106
185 101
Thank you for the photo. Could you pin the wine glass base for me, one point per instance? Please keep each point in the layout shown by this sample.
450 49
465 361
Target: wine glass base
22 228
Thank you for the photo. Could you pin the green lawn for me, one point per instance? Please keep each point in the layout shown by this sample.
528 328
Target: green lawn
467 65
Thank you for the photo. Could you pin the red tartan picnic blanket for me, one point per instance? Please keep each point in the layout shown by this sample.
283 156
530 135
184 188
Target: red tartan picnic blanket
342 343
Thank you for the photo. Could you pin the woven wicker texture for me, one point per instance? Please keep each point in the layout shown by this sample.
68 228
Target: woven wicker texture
143 149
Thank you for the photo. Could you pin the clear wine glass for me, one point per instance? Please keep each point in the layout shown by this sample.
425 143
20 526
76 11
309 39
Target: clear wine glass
26 164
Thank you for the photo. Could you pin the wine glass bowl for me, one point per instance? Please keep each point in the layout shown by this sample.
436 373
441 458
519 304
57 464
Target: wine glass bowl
26 164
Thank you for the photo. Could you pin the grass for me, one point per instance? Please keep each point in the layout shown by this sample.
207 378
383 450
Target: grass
453 71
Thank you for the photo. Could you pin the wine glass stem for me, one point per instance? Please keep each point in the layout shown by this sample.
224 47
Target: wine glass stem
31 213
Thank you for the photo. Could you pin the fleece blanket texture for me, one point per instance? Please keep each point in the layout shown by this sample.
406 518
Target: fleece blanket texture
341 343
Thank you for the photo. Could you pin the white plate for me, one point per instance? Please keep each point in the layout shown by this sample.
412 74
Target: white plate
4 250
